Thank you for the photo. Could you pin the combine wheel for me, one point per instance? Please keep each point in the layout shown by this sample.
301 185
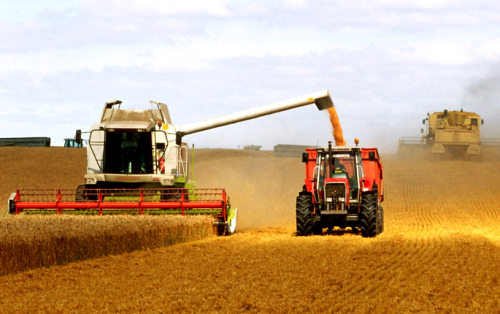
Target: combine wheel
368 216
80 190
222 228
304 218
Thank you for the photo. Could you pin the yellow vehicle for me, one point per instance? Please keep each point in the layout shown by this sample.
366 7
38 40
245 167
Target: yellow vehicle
446 132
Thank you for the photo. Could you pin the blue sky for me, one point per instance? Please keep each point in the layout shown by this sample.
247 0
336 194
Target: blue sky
386 63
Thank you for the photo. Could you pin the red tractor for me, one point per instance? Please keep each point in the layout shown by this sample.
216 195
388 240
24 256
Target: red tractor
344 188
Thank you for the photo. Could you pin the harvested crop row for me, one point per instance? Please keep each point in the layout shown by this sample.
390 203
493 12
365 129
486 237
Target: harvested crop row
28 242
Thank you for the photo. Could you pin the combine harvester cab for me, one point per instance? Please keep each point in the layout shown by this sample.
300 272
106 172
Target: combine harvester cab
344 188
452 133
137 163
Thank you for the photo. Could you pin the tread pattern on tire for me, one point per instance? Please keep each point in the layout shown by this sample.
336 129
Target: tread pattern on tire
381 219
368 214
304 217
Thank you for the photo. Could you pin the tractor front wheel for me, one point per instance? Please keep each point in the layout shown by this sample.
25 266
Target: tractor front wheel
304 217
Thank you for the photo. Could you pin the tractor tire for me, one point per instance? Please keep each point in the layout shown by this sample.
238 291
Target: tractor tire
304 217
380 220
368 216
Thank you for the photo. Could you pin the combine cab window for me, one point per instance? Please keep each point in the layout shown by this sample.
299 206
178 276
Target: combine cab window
128 153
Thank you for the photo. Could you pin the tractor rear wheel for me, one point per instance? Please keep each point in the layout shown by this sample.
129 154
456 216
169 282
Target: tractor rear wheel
304 218
380 220
368 216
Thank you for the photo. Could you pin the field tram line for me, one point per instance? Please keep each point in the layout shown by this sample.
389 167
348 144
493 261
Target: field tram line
427 257
425 221
482 208
422 251
378 273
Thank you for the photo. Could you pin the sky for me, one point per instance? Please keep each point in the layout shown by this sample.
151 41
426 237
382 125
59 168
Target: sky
386 63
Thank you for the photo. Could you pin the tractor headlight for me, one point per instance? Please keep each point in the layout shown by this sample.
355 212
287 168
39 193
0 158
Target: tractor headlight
89 181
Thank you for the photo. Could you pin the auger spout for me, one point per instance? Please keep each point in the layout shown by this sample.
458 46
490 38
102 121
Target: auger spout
322 100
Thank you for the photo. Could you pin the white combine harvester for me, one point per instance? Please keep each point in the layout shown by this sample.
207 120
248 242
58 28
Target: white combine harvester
136 161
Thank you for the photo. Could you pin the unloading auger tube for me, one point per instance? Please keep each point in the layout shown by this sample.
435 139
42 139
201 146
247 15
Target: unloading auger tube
321 99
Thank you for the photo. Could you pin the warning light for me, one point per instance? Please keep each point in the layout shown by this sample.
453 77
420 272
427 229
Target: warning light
356 141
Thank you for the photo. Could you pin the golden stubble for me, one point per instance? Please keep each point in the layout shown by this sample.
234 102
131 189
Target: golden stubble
439 252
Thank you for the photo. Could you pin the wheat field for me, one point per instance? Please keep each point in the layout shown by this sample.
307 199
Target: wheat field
439 253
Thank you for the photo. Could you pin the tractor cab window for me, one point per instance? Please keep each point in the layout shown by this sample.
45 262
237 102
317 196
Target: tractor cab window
71 143
344 166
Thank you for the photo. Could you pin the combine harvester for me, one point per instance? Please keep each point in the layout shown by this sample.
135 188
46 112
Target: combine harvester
137 163
448 133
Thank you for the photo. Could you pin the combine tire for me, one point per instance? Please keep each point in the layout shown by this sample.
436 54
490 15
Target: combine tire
222 228
369 216
80 190
304 217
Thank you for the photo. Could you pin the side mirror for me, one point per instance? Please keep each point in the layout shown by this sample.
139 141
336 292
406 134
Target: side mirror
305 157
78 137
423 121
371 156
482 121
421 130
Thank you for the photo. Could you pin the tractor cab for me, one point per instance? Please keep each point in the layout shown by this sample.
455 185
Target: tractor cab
344 168
72 142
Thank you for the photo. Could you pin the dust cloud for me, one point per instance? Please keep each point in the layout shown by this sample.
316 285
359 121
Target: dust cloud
261 186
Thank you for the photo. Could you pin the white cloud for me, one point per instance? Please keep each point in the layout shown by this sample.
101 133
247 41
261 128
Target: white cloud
426 4
163 7
294 4
489 49
442 53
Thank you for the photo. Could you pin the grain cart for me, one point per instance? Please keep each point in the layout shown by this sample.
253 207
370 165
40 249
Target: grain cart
136 161
344 188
